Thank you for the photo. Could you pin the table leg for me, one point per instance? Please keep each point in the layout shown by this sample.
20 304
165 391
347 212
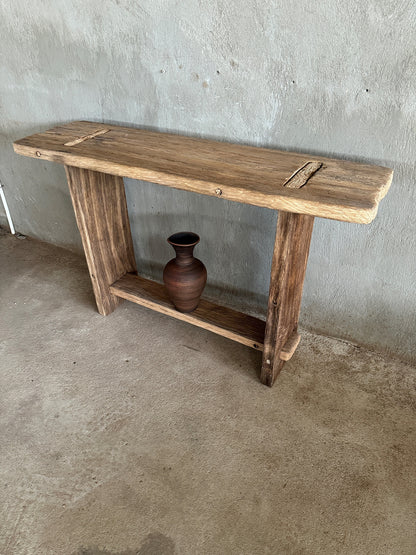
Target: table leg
99 202
290 256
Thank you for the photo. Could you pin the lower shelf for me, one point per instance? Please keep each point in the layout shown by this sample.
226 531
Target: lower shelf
224 321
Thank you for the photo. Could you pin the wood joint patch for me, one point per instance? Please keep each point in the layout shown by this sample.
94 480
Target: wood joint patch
290 347
300 177
86 137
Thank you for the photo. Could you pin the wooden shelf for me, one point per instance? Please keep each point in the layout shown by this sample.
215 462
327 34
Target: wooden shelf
288 181
218 319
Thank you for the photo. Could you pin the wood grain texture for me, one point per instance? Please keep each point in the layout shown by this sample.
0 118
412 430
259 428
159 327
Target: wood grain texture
290 256
340 190
224 321
86 137
101 212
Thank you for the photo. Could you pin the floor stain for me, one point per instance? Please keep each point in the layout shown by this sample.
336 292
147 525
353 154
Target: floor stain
154 544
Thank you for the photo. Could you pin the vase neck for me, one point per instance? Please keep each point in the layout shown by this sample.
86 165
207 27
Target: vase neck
184 254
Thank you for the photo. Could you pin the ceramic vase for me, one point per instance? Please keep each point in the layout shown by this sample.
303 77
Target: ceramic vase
184 276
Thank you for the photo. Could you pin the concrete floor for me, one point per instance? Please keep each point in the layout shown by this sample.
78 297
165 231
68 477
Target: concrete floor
139 434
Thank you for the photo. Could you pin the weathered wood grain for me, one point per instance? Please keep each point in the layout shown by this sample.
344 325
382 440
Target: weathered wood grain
101 212
86 137
224 321
290 256
302 175
340 190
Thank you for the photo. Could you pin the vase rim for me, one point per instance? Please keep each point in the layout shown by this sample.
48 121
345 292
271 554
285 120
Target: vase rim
183 239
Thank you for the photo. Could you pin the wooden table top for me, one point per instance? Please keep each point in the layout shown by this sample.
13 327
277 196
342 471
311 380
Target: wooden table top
289 181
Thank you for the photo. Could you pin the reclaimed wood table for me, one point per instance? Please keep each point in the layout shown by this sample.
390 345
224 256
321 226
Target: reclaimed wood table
300 186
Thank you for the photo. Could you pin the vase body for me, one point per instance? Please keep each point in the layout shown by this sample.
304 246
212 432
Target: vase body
184 276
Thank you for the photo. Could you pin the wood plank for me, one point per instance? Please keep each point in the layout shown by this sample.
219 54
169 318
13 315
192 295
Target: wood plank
289 347
224 321
101 213
290 256
341 190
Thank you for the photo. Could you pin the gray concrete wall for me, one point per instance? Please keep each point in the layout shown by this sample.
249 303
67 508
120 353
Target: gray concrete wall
333 78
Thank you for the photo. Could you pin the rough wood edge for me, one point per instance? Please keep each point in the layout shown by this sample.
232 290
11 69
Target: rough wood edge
290 347
384 189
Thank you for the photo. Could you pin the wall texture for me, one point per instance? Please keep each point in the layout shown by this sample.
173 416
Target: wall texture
333 78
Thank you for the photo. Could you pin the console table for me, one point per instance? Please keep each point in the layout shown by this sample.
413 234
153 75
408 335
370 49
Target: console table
300 186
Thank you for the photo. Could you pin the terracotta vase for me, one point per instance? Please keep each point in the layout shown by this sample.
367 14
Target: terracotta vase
184 276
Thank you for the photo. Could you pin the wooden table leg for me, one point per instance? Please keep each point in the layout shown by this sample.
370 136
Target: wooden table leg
101 211
290 256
